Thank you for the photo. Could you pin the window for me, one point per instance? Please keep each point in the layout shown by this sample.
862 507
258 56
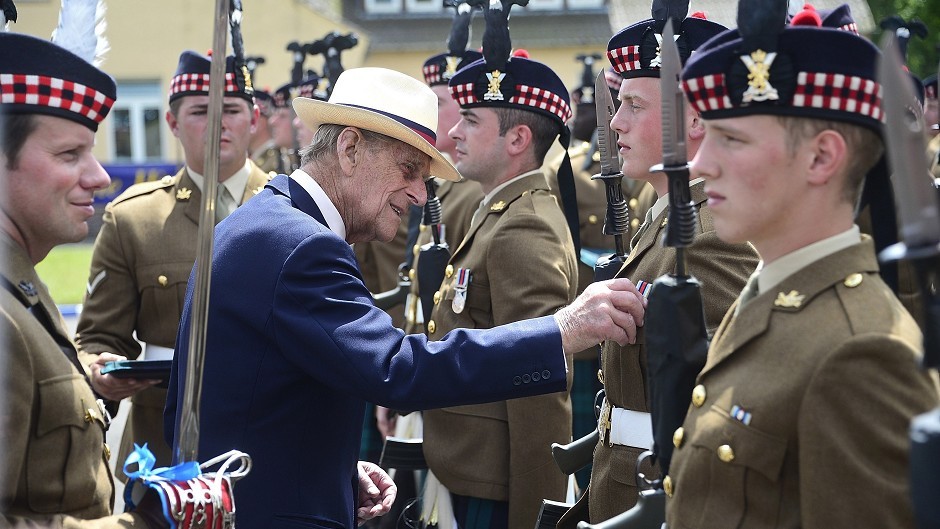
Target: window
137 130
585 4
537 5
378 7
424 6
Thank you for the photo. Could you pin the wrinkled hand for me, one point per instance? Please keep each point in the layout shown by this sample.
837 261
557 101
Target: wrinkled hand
606 310
376 492
385 421
114 388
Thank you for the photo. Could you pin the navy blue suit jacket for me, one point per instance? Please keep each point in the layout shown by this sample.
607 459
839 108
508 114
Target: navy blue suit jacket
292 357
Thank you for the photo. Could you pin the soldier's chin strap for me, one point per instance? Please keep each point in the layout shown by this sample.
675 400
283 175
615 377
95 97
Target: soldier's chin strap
569 195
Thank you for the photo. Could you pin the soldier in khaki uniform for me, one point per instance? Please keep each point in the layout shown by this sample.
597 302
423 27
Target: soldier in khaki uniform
517 261
722 268
800 417
54 464
264 152
145 250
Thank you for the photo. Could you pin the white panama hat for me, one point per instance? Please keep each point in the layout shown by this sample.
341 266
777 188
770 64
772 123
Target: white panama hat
386 102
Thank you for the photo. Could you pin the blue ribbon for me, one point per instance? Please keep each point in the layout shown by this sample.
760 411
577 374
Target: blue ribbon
144 459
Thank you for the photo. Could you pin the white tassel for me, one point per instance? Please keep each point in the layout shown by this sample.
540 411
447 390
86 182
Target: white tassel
81 29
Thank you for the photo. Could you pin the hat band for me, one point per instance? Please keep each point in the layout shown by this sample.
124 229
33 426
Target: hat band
429 135
44 91
624 59
529 96
821 90
199 82
432 74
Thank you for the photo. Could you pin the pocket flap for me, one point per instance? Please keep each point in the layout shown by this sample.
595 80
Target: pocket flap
55 394
751 447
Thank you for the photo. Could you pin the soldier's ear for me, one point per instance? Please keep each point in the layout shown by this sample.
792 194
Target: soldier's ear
828 156
696 127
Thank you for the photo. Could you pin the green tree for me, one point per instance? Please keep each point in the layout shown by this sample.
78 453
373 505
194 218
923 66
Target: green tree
923 55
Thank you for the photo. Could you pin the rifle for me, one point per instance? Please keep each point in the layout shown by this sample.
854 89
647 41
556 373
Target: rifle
919 214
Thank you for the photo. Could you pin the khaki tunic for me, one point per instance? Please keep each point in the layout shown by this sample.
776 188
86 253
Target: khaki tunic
722 269
54 464
826 364
522 262
933 153
268 158
140 266
458 202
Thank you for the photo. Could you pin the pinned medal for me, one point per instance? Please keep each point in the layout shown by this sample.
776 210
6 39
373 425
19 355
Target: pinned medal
461 282
644 288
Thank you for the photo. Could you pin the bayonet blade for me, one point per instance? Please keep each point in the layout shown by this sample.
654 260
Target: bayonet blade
673 109
906 148
606 138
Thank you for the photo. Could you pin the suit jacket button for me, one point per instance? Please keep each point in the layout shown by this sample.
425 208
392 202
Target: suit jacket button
536 376
516 380
545 374
526 378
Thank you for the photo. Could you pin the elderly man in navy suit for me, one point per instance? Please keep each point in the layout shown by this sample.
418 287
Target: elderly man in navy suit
291 361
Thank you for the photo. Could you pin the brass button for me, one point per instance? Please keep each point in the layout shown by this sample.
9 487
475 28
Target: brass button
416 250
853 280
678 436
725 454
449 271
698 396
668 487
412 275
634 203
90 414
437 297
432 327
592 219
107 451
422 228
166 179
162 280
635 223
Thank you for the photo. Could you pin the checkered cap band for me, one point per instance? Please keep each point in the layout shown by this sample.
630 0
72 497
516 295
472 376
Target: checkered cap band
526 95
432 73
463 94
624 59
851 28
828 91
199 82
542 99
846 93
708 92
45 91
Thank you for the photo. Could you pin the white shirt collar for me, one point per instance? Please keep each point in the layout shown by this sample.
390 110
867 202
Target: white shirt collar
333 220
235 184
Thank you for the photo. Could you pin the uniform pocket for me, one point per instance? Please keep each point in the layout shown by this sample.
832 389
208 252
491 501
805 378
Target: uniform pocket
69 440
162 291
743 467
478 303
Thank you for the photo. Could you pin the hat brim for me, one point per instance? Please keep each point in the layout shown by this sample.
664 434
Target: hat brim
314 113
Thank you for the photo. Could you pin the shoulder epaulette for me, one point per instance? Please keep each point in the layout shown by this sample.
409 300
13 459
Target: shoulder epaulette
145 188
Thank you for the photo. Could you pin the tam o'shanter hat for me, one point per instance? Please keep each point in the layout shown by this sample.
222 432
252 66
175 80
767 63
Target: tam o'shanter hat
635 50
58 78
383 101
192 77
440 68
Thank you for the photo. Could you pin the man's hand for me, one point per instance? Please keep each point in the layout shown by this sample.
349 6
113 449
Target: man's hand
606 310
385 421
113 388
376 492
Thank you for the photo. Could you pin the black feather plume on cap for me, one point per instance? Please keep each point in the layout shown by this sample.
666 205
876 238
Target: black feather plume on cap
675 10
904 30
460 27
497 46
760 23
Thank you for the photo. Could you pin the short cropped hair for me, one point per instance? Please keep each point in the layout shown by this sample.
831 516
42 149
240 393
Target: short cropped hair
544 129
864 147
324 142
16 130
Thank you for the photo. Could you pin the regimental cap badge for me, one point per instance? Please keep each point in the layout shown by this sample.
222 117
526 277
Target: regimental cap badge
28 288
246 75
450 69
758 64
493 92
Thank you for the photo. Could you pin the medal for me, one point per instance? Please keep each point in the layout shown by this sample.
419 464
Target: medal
461 282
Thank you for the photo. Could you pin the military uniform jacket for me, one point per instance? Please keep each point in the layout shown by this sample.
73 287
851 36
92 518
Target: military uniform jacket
142 259
268 158
722 269
54 463
458 202
521 262
802 413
